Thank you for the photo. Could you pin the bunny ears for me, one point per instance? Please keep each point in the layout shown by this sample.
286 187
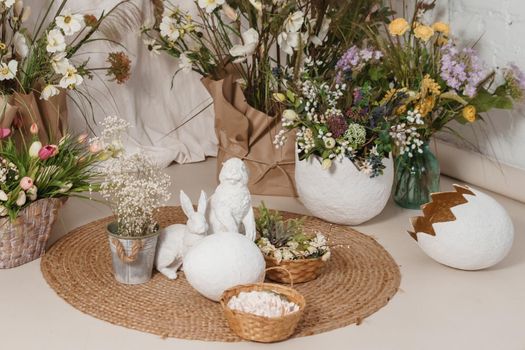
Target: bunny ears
187 206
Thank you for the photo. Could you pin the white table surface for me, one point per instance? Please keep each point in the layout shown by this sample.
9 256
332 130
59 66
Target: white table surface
436 308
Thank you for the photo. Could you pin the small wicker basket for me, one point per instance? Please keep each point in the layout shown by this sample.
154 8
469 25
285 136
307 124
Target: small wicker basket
24 239
301 271
258 328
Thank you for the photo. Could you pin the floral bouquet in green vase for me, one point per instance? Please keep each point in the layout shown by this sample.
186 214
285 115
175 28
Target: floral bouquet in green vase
435 81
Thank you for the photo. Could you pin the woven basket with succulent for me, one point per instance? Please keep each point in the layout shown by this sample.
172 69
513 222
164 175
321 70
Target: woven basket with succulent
284 243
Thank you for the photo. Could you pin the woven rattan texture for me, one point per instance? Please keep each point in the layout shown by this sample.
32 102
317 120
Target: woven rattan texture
359 279
24 239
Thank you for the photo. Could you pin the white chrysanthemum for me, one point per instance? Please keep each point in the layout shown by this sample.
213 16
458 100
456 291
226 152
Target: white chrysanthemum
48 92
8 71
60 63
168 28
210 5
20 43
56 42
70 23
71 78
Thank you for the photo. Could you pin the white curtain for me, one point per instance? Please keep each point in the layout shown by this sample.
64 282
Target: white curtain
169 123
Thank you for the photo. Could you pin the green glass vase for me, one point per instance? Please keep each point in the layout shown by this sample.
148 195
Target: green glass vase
416 178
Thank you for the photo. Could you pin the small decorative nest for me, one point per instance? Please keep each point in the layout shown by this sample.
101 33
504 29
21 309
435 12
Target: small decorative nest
302 270
258 328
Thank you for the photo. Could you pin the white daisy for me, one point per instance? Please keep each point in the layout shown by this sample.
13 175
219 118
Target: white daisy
71 79
55 41
152 46
168 28
70 23
185 64
210 5
8 71
60 63
48 92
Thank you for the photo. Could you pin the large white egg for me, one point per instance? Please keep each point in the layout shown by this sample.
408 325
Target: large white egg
480 236
221 261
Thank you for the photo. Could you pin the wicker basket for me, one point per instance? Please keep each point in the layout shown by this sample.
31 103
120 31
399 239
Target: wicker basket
259 328
301 271
24 239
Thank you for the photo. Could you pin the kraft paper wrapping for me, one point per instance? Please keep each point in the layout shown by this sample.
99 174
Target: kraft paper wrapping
246 133
19 111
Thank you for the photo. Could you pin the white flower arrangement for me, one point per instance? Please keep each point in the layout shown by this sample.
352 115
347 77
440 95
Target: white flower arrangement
50 50
135 189
133 185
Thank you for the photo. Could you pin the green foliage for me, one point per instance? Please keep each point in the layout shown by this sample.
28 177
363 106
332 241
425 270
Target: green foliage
72 171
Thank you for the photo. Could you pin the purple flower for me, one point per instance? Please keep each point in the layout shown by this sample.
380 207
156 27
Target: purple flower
337 125
354 59
461 70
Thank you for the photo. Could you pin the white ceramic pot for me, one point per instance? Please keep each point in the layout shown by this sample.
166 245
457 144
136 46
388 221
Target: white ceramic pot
342 194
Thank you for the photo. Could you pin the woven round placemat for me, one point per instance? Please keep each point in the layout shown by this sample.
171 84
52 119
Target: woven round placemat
359 279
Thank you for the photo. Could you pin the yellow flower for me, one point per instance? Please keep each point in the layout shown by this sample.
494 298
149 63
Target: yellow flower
401 110
423 32
399 26
2 46
426 105
469 113
430 85
442 40
441 27
389 95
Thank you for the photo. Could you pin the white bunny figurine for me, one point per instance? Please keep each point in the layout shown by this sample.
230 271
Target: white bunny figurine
231 204
176 240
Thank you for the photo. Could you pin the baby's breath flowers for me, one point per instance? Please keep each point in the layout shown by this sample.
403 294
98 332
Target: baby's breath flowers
133 185
135 188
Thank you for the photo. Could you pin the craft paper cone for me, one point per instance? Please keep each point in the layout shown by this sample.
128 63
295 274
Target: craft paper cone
29 113
55 115
248 134
7 111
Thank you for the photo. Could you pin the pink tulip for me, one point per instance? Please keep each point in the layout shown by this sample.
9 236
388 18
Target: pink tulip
33 129
4 132
82 138
26 183
47 152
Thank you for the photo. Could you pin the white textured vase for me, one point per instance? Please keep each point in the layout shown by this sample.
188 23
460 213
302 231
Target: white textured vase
342 194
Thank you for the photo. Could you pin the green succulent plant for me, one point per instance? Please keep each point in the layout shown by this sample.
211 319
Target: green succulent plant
271 225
